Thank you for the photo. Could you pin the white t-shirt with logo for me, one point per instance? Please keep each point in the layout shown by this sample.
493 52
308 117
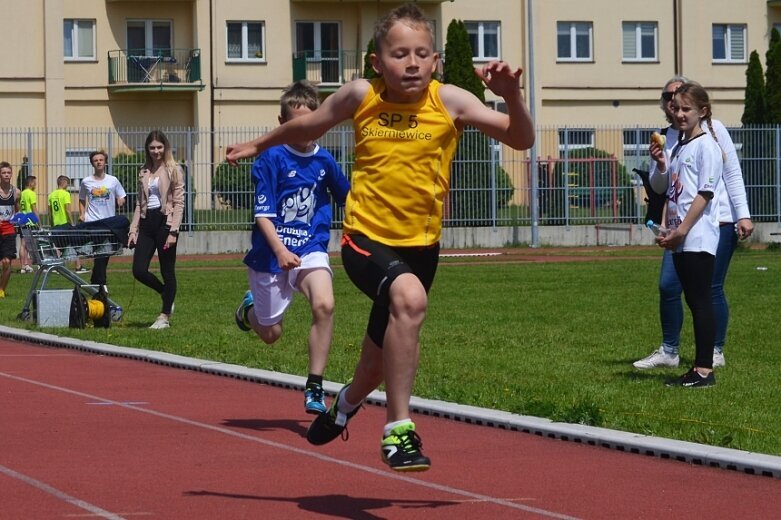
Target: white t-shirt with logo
695 166
101 196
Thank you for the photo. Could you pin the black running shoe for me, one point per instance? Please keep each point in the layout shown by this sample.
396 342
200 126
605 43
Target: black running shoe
330 425
401 449
692 379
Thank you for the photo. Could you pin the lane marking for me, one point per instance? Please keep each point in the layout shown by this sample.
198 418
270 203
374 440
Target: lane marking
299 451
134 403
41 486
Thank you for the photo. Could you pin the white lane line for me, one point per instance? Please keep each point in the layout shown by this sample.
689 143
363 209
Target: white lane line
46 488
307 453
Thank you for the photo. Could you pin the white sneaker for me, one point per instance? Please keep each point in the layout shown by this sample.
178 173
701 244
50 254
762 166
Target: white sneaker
160 323
718 359
658 358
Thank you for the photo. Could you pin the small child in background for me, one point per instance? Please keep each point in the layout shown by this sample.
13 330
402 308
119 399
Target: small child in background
290 240
28 203
59 210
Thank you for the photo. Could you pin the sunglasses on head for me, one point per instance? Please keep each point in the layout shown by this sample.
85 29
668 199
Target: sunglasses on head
668 96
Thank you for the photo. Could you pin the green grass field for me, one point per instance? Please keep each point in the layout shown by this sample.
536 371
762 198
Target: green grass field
552 340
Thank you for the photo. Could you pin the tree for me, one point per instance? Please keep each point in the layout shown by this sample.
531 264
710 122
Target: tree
458 68
368 70
478 182
773 79
754 107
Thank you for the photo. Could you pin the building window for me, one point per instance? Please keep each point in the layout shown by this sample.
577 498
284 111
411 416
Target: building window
729 43
484 39
576 139
639 41
317 44
246 41
149 38
77 166
636 142
575 41
79 39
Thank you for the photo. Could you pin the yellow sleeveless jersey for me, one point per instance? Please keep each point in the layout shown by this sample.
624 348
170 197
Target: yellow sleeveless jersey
402 168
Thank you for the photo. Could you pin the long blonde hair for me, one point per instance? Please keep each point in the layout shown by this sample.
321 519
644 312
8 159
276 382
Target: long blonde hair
168 156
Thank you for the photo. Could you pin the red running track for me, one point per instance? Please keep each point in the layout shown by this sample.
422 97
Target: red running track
91 436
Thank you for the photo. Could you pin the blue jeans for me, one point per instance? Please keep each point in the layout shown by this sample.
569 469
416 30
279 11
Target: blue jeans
670 306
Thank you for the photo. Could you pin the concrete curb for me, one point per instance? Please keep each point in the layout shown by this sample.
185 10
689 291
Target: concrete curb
693 453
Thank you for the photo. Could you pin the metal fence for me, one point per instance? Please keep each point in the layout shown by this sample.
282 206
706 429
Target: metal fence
584 175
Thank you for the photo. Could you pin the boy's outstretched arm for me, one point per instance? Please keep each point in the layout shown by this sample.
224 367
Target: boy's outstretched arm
516 128
336 108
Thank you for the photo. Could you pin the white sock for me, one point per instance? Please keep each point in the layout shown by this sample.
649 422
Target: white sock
391 425
344 406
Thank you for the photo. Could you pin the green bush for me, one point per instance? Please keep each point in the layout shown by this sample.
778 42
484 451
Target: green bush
125 167
233 185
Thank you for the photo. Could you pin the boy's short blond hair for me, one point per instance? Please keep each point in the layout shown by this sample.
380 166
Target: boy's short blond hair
409 14
299 94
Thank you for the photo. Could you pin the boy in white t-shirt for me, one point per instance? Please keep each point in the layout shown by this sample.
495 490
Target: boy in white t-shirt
99 196
692 176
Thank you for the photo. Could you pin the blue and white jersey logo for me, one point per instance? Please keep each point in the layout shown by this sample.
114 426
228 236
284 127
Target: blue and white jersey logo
292 173
300 206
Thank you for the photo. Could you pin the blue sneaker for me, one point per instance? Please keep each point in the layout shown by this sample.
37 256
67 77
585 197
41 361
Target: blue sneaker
241 312
314 400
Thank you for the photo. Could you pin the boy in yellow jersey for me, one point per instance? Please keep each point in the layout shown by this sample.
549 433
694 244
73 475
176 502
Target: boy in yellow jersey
407 127
28 203
59 210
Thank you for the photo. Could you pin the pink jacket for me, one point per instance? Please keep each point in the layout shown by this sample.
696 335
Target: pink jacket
171 196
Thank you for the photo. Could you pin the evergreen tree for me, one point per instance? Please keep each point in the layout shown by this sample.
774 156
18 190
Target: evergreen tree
368 70
478 183
773 79
754 106
458 68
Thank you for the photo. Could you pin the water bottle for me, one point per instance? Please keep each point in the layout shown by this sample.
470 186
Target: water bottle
657 230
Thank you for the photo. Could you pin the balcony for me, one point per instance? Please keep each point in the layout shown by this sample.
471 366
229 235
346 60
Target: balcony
331 69
134 70
327 68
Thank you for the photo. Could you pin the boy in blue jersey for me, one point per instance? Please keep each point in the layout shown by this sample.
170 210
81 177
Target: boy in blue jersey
290 240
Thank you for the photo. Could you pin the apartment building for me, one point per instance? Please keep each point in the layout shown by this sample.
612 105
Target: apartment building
220 64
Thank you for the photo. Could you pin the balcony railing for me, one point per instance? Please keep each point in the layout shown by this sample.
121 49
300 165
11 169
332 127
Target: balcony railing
332 68
327 68
164 69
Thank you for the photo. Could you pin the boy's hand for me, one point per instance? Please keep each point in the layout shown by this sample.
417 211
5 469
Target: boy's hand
500 78
239 151
288 260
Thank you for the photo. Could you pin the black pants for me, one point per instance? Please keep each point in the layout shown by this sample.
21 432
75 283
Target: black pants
695 271
99 267
152 234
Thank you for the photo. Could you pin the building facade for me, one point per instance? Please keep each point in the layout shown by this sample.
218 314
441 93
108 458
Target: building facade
221 64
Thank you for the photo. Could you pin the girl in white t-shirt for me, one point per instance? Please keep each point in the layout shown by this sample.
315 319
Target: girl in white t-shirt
692 174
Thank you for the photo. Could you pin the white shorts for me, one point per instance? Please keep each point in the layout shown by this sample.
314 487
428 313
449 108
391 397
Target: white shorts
273 292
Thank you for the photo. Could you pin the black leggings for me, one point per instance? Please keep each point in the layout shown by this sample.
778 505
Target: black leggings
695 270
152 234
373 267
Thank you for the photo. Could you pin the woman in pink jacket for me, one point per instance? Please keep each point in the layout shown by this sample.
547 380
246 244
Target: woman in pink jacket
156 220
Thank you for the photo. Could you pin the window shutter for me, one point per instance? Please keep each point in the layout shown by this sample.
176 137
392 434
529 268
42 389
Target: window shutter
629 41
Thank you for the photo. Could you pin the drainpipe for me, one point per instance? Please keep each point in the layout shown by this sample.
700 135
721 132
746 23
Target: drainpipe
676 37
